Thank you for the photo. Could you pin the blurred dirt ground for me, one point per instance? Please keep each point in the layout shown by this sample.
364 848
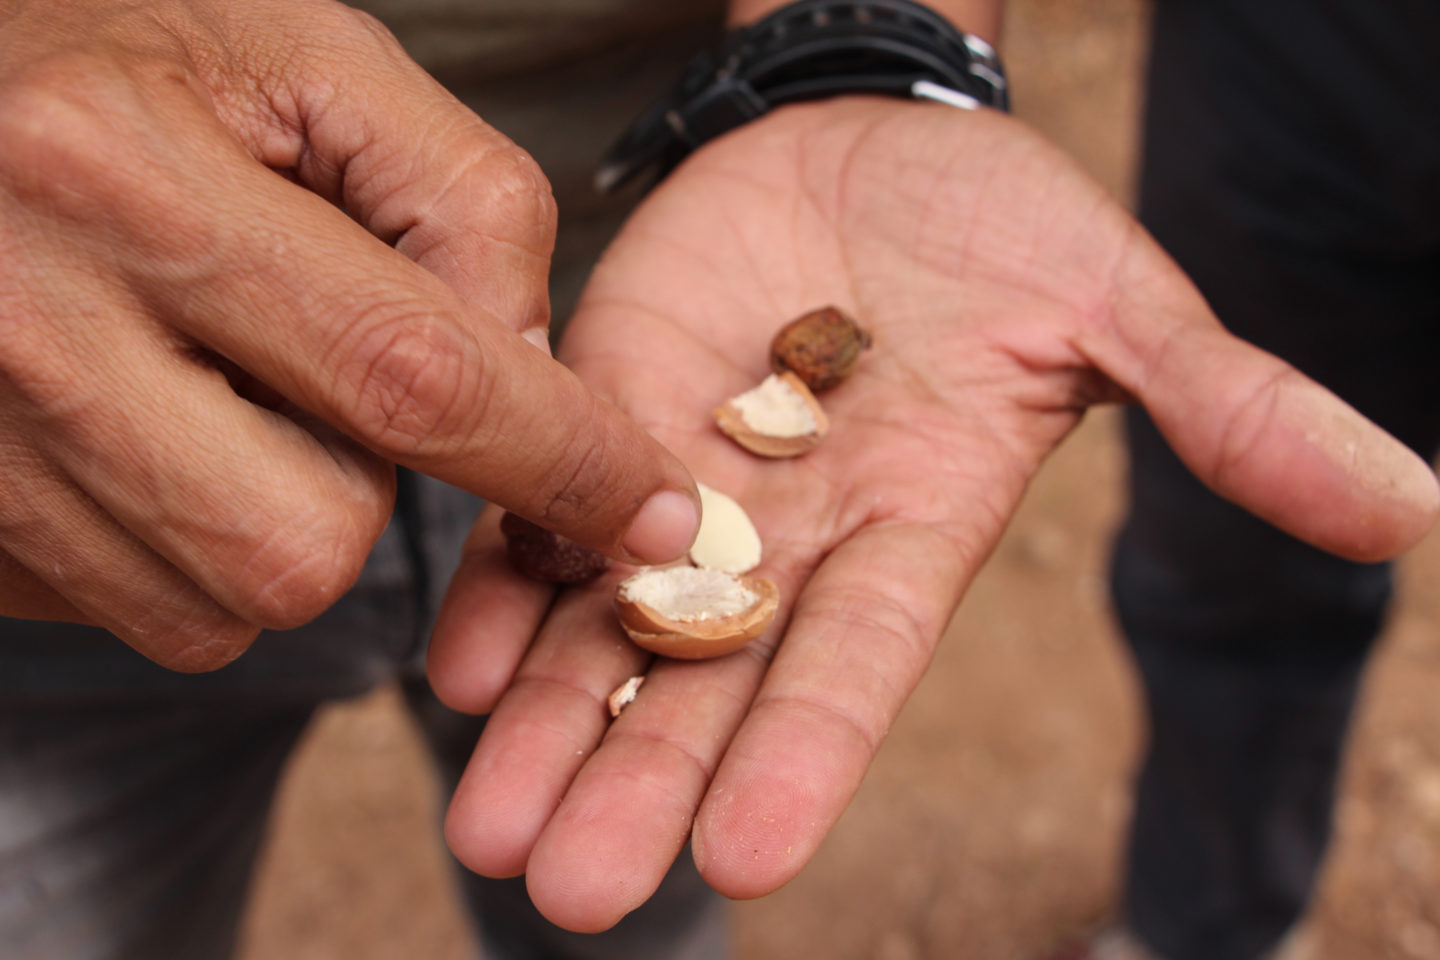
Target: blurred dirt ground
991 823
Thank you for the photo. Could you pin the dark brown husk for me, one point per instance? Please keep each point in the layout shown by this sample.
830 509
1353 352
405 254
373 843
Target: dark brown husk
822 347
549 557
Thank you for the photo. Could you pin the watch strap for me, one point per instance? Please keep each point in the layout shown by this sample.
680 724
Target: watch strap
809 50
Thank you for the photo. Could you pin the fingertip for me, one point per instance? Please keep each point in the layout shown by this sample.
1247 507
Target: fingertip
572 906
744 855
191 649
485 624
1408 497
1419 491
463 677
769 807
1357 491
664 527
591 888
480 848
1427 512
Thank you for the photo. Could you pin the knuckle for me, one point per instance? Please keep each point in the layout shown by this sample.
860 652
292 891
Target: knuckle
332 35
30 365
305 566
57 133
198 641
369 26
409 384
518 197
584 475
1243 432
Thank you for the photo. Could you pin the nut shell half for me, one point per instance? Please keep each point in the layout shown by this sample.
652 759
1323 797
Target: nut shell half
697 639
732 422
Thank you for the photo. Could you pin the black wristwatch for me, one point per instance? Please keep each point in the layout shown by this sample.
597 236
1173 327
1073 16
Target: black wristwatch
808 50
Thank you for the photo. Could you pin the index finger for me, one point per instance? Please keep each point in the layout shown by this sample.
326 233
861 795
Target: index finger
352 330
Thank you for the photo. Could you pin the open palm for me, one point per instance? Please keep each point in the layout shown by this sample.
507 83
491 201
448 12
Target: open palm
1005 292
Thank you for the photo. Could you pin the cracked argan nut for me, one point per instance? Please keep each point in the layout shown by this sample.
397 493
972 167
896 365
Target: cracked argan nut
821 348
779 418
727 539
549 557
691 613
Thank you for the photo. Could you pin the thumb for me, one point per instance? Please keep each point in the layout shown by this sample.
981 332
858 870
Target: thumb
1263 435
542 444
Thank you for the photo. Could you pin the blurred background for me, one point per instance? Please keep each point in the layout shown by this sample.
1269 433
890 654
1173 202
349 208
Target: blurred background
990 826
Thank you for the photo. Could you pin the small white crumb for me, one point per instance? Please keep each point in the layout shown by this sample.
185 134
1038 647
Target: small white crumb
624 694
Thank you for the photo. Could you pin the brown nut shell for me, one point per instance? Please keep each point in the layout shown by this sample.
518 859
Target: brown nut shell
549 557
698 639
822 347
732 422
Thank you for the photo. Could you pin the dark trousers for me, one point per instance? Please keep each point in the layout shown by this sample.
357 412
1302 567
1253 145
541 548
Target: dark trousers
1292 168
133 800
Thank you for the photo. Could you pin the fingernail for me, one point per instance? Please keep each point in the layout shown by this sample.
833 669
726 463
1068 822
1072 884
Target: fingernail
664 528
540 336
